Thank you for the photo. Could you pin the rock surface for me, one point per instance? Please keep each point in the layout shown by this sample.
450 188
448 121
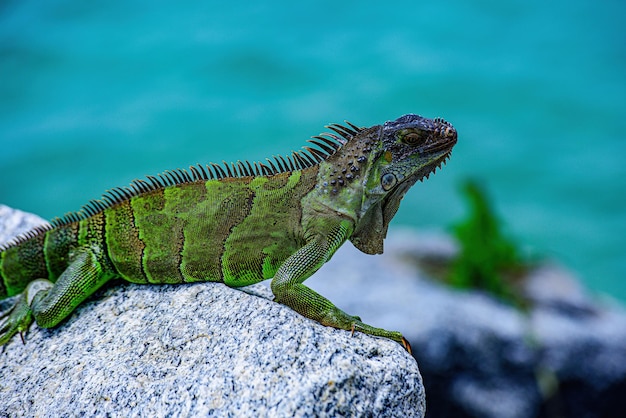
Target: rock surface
201 349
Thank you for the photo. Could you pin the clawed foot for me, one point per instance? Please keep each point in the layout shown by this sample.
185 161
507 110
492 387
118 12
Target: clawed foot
18 319
357 325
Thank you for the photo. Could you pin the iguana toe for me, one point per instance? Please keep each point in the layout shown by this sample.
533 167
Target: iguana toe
18 319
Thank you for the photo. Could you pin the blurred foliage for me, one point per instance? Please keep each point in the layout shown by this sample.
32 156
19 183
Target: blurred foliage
487 259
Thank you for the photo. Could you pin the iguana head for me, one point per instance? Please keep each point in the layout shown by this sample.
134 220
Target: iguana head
402 152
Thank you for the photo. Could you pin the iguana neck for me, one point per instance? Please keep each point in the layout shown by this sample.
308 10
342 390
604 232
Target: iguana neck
342 178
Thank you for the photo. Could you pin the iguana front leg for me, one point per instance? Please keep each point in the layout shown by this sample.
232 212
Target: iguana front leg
49 303
288 288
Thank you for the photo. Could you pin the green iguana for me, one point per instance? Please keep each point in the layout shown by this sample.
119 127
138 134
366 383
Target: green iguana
237 224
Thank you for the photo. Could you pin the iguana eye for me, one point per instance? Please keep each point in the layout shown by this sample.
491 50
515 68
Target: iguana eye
413 139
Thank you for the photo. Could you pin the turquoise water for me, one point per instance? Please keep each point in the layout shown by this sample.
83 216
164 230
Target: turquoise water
95 94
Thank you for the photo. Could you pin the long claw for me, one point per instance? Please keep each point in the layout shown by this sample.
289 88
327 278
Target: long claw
406 345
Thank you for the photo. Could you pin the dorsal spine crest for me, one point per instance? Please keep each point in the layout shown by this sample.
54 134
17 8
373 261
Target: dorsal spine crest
327 145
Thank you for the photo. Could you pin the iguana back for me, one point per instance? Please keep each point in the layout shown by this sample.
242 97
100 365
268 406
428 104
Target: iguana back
212 223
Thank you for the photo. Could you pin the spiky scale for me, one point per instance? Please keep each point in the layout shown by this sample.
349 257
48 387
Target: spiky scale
324 143
355 128
271 164
346 133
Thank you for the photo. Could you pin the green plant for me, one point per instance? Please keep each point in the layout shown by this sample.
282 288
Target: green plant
487 259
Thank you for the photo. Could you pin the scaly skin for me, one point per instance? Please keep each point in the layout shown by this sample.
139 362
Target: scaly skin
237 224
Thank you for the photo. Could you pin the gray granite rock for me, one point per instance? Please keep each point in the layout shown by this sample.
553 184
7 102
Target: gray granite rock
202 349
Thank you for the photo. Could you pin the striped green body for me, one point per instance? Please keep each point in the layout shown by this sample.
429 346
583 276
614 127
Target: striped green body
237 231
236 224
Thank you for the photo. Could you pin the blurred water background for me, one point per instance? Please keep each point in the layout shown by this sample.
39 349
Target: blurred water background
94 94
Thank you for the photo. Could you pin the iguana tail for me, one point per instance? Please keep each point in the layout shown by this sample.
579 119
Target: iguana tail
39 254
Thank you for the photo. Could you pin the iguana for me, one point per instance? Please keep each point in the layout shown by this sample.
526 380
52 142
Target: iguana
237 223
